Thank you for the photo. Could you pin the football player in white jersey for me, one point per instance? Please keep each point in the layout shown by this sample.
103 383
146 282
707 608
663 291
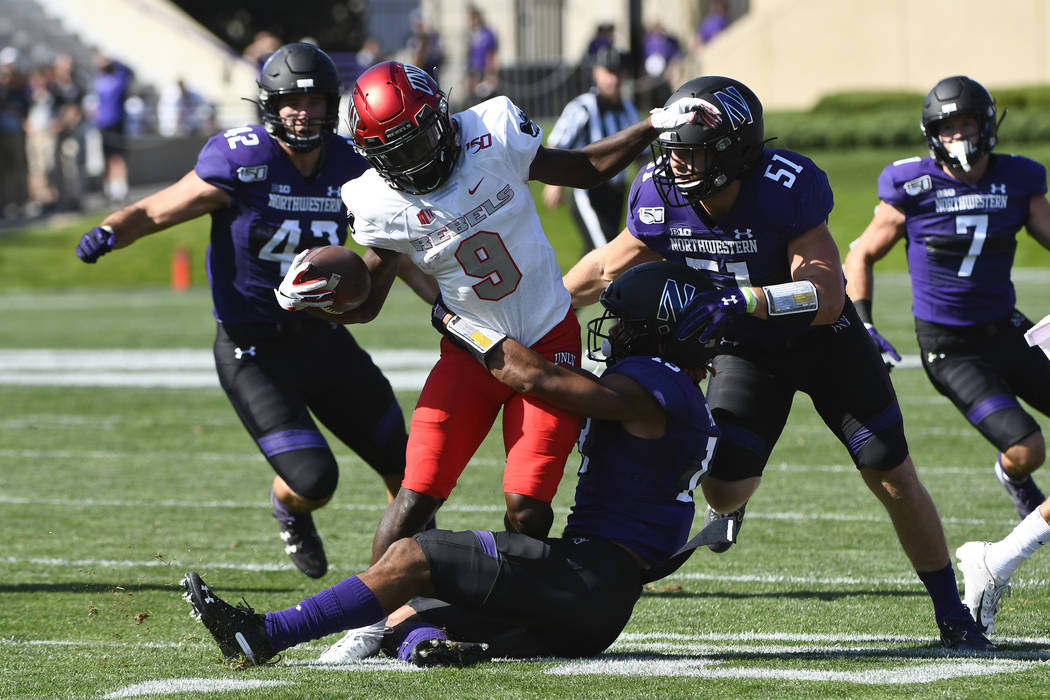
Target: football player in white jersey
451 193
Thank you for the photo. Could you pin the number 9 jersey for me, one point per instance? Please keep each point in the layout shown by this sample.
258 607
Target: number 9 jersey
961 237
274 213
479 234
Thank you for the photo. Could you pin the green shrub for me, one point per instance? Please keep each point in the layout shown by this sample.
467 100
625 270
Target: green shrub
891 118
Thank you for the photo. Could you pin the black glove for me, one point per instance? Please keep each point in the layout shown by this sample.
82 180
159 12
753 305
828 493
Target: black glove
439 315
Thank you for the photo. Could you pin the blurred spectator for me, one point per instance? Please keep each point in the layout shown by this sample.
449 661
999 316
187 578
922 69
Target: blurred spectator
182 110
110 90
351 64
68 119
40 143
14 106
713 23
370 53
263 44
663 61
482 68
423 46
602 39
595 114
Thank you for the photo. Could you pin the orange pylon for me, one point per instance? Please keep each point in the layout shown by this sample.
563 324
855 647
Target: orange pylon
180 269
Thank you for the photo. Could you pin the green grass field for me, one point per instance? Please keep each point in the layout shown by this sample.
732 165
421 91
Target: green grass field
122 465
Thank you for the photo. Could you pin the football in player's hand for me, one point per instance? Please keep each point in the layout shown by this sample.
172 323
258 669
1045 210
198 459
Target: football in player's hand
349 277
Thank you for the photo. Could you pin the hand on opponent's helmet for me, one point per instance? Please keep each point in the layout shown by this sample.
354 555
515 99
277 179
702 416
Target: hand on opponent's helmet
683 111
710 309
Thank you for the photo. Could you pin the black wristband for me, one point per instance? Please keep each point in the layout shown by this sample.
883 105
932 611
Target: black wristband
799 320
863 307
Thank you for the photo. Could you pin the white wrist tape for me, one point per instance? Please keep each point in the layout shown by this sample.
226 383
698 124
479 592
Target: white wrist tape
791 298
476 339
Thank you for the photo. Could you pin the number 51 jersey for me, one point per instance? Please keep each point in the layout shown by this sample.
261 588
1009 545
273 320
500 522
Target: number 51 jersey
479 234
962 238
274 213
782 197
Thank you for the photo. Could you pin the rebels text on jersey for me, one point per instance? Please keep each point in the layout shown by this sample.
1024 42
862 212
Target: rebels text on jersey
961 238
637 491
781 198
274 213
479 235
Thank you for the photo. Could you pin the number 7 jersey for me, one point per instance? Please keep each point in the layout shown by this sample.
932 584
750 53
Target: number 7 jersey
961 238
479 234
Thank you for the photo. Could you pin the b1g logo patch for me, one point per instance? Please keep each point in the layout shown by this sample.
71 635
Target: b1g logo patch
918 186
253 173
651 215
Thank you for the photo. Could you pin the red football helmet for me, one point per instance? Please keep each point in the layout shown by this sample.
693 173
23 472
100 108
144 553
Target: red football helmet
400 122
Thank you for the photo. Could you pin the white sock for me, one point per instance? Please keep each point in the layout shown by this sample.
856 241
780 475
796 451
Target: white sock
118 189
1004 556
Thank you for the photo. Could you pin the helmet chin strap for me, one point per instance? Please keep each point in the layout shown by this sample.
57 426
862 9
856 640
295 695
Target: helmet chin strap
961 150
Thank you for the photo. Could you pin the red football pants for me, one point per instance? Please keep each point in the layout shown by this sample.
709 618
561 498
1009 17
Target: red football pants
458 406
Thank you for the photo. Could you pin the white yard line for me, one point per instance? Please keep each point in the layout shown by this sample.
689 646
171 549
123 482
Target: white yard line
172 686
173 369
905 674
762 578
793 516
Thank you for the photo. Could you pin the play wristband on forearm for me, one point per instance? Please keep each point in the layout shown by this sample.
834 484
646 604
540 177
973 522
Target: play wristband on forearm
478 340
791 303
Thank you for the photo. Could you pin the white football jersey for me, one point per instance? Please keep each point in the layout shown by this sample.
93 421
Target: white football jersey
479 235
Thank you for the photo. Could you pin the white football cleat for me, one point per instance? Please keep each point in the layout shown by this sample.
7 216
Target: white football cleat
983 590
358 643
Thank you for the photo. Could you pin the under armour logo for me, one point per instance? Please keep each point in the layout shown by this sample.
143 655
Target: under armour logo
333 191
729 301
998 189
738 234
239 353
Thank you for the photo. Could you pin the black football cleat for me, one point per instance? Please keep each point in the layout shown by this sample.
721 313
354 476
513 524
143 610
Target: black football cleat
445 652
737 516
959 632
302 544
237 630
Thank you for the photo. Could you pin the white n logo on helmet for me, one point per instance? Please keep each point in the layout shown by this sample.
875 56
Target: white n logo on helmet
735 106
418 79
673 300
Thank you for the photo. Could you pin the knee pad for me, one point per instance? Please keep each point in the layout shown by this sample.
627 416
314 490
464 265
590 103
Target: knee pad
312 474
883 451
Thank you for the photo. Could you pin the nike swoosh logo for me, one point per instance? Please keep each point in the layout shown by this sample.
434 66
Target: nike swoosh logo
474 189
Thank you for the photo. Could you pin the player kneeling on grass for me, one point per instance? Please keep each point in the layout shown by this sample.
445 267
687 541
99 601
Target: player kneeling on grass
507 594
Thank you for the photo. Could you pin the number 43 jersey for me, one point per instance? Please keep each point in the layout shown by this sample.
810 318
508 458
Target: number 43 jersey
274 213
479 234
962 238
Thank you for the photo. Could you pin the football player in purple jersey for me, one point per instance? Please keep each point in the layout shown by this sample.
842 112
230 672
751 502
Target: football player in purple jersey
272 191
509 594
753 220
959 211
